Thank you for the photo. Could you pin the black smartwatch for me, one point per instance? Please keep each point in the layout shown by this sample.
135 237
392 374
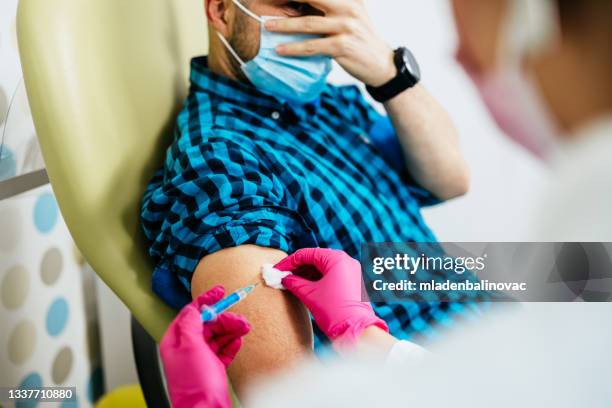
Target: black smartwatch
408 75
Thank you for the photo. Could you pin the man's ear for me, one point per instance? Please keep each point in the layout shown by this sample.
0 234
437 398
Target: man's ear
219 15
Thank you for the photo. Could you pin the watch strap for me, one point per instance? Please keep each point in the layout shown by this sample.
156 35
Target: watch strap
402 81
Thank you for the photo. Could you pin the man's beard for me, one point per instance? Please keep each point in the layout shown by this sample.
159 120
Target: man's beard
244 43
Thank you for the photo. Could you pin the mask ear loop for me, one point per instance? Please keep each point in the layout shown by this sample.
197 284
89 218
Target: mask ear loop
247 11
229 48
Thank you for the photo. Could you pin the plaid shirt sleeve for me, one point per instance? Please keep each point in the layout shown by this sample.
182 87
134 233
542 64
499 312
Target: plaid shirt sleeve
381 131
216 195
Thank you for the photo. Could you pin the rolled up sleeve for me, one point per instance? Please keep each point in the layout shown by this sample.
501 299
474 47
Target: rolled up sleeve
217 195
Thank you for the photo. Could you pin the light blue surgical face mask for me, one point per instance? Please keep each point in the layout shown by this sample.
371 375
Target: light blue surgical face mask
295 79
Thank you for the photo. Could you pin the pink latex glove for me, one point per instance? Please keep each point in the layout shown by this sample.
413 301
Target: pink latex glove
334 300
196 355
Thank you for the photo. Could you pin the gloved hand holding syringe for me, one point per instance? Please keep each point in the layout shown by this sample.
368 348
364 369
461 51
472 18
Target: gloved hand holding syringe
210 313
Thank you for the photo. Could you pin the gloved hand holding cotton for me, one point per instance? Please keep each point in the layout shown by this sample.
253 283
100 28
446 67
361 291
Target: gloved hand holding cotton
273 277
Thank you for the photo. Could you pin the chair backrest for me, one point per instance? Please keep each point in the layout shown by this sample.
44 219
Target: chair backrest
105 79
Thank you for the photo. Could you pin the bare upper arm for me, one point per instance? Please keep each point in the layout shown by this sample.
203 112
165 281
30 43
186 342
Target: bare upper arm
281 333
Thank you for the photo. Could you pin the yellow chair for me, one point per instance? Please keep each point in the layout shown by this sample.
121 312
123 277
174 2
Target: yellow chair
105 80
127 396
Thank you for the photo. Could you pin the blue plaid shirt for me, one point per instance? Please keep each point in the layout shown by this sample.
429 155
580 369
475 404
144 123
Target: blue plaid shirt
245 168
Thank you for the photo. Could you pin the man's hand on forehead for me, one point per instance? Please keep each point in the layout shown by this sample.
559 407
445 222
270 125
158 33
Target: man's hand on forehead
304 9
285 8
347 35
320 6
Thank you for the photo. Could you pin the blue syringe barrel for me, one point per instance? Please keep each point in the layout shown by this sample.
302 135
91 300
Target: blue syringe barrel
211 312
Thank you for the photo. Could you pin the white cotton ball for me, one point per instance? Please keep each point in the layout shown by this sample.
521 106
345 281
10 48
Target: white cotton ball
273 277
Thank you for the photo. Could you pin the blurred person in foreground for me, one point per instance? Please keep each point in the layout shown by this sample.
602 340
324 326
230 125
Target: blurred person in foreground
544 71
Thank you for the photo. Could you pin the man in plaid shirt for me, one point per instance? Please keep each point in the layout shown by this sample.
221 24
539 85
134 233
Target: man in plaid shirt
251 178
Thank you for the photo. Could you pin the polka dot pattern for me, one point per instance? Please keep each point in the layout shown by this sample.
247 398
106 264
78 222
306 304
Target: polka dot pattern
11 227
32 380
51 266
8 164
62 365
22 342
27 347
57 317
45 213
14 287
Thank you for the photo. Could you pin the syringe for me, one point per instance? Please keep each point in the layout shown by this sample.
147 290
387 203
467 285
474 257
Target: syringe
210 313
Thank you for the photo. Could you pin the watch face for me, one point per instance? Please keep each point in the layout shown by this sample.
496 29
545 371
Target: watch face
411 64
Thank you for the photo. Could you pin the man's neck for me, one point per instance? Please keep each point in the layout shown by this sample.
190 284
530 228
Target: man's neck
219 62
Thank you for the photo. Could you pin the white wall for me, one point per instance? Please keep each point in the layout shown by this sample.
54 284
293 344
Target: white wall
504 178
